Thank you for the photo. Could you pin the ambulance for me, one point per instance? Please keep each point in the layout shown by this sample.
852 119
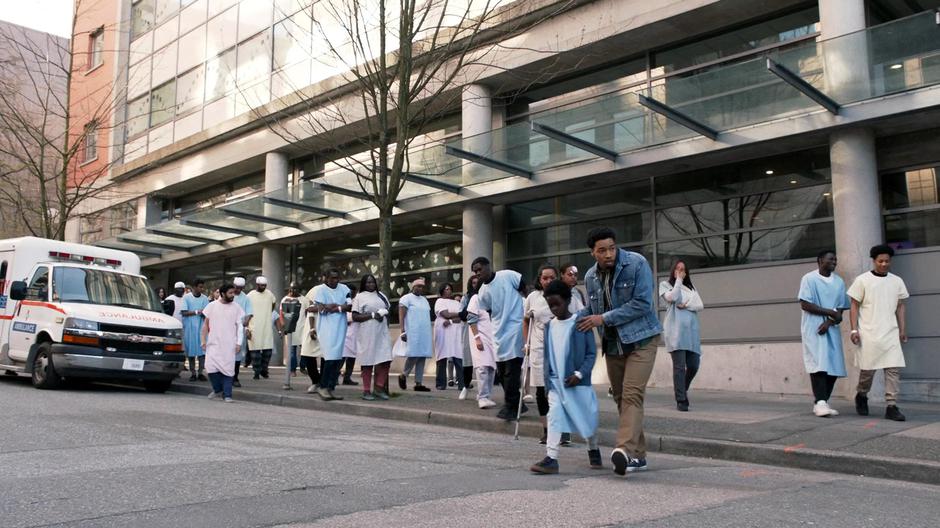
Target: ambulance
71 311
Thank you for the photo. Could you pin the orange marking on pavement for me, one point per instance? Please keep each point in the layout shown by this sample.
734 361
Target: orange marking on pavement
792 448
748 473
870 424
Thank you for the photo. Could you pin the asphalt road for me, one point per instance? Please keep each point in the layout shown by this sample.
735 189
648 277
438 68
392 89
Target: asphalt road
96 456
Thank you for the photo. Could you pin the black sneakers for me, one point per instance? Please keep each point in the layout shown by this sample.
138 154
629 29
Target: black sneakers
594 459
893 413
546 466
861 404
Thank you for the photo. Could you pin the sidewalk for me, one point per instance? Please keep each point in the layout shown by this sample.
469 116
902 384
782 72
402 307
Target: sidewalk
748 427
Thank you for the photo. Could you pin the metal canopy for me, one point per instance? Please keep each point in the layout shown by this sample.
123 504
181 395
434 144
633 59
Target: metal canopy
258 218
182 236
223 229
430 182
806 88
575 142
150 253
488 162
326 187
157 245
300 207
674 115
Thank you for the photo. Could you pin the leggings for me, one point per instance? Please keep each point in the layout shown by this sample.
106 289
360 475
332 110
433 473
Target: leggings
822 384
381 377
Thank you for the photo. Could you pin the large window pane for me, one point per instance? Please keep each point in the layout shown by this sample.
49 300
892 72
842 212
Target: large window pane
911 188
754 247
292 40
141 17
138 115
221 32
254 59
220 75
608 202
162 103
753 211
581 258
565 237
913 230
166 8
189 89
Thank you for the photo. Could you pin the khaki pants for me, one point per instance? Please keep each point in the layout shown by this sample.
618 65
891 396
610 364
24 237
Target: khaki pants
628 377
892 383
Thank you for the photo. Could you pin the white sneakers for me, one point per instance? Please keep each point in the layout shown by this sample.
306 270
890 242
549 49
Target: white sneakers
486 403
213 395
312 389
463 394
528 398
823 410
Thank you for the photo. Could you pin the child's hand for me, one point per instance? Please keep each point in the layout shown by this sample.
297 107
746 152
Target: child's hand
572 381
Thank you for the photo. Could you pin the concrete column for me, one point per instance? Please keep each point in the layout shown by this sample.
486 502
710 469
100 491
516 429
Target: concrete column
856 203
476 119
855 193
846 57
73 230
274 256
148 211
477 235
499 237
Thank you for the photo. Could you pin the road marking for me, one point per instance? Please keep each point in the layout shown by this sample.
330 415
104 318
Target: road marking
870 424
793 448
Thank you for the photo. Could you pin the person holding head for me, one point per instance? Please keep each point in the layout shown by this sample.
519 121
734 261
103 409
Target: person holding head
502 294
166 305
261 339
822 300
193 305
879 327
482 345
241 299
681 330
332 301
621 306
569 359
537 315
569 274
370 313
221 338
350 350
414 313
448 330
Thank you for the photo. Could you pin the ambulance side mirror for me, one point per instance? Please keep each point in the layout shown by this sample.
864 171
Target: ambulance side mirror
18 290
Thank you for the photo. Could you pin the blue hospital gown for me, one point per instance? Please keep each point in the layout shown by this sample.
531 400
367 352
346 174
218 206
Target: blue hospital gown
501 298
331 327
417 325
822 353
192 324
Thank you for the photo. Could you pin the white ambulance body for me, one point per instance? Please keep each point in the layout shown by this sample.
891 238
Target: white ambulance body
76 311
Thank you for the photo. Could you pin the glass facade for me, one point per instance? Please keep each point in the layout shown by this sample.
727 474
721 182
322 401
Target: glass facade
746 213
912 207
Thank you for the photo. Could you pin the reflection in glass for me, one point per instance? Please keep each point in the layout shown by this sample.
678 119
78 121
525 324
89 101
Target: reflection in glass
913 230
162 103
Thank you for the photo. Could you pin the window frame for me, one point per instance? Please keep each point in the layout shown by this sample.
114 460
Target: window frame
90 132
95 49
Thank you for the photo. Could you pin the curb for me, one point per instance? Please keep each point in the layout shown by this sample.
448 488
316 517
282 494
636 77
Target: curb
796 457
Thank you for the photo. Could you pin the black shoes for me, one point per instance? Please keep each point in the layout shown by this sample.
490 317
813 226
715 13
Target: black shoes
683 406
256 376
236 383
861 404
565 439
594 459
192 377
349 381
402 382
202 377
421 388
510 414
546 466
893 413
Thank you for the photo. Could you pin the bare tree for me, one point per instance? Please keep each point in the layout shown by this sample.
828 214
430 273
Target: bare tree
53 124
403 64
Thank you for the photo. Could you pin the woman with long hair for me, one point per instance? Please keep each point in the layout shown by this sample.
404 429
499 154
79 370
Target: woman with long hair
370 313
681 329
447 335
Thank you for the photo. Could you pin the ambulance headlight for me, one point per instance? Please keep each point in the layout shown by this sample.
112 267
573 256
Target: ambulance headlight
175 333
81 324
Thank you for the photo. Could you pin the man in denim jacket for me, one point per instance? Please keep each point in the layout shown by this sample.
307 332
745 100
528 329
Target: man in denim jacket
620 303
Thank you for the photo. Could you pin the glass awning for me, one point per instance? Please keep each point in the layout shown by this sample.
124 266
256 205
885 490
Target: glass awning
811 76
901 55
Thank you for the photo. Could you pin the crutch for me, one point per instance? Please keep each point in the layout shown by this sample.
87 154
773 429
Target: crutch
525 376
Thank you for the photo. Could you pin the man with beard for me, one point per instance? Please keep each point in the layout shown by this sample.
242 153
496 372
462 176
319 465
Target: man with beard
221 339
261 339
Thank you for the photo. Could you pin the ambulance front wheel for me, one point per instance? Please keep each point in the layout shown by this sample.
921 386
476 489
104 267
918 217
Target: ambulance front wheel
44 374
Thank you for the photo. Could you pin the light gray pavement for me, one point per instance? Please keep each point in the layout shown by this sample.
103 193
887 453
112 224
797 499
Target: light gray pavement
762 428
101 456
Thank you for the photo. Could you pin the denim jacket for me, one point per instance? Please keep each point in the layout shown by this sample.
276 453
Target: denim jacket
633 311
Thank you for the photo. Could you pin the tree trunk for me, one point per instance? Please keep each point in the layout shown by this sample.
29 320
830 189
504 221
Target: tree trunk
385 252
